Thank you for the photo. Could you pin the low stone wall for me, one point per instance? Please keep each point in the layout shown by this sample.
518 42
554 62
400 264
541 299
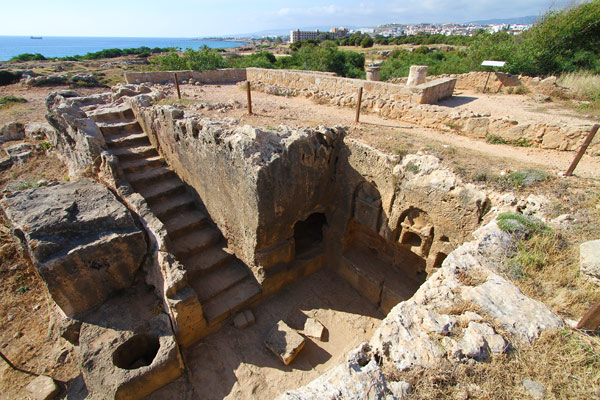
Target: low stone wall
232 75
556 136
430 92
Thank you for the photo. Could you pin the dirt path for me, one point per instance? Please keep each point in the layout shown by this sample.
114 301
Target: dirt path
390 135
515 106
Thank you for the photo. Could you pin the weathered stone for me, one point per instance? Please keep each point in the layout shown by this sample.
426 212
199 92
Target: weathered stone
85 79
5 163
589 260
78 139
43 388
82 240
284 342
62 326
534 389
404 338
400 390
46 80
357 379
314 328
541 98
254 207
417 75
19 153
126 349
38 130
12 131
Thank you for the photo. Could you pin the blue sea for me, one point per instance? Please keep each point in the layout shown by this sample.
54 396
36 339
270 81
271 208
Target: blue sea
62 46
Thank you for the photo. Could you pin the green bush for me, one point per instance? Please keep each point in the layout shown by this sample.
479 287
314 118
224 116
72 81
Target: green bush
322 57
367 42
7 77
200 60
28 57
526 177
520 224
399 62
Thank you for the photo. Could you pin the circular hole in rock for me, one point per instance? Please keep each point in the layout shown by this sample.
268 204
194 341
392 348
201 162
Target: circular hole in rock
139 351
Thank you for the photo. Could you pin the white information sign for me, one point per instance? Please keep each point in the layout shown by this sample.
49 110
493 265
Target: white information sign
488 63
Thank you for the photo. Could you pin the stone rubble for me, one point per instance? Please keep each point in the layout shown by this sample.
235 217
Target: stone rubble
314 329
43 388
284 342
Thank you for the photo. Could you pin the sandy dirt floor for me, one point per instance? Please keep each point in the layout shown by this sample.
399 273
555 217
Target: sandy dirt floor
235 364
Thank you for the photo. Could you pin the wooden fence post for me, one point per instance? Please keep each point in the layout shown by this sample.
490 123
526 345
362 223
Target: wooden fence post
358 104
177 86
591 320
582 150
249 97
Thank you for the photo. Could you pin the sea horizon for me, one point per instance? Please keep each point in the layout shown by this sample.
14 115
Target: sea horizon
66 46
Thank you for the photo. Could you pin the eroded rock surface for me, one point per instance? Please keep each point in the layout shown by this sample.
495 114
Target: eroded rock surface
82 240
464 311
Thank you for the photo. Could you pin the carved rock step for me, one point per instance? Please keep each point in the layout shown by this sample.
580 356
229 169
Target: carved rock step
130 153
165 189
141 164
109 128
152 176
127 140
194 242
231 300
179 224
210 259
175 204
219 280
111 114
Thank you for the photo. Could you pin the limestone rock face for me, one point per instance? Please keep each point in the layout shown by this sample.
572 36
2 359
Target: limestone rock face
589 255
357 379
446 318
256 183
37 130
126 349
78 139
12 131
405 337
82 240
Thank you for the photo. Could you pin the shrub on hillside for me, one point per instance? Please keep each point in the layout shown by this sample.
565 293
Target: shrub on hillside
200 60
7 77
28 57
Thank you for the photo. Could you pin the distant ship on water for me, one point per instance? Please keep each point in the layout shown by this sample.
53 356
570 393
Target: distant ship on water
35 37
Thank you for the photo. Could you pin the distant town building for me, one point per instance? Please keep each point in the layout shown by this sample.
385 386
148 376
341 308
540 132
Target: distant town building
334 33
339 32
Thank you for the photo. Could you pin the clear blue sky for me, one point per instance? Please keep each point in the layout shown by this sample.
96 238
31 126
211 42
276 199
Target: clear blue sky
186 18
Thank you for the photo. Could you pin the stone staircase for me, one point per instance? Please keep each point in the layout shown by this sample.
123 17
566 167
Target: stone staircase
223 283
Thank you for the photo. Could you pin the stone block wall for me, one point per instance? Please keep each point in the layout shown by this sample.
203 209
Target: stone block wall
232 75
312 82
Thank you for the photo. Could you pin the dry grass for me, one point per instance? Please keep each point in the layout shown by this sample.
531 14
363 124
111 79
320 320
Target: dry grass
550 273
475 278
566 363
585 87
